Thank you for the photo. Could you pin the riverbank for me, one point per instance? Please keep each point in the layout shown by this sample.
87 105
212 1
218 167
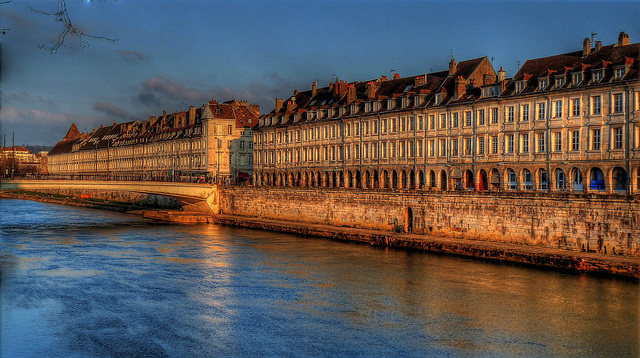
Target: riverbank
557 259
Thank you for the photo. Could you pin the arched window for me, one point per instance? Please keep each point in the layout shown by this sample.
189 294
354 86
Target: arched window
527 179
560 181
512 180
596 179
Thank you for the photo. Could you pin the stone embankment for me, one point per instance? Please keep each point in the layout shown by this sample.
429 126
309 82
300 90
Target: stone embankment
557 259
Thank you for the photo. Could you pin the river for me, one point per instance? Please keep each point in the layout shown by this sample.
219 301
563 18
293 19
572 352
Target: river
87 283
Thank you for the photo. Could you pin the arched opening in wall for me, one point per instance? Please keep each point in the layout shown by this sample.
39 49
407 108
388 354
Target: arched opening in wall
403 182
409 220
543 179
318 179
422 180
527 179
306 179
512 179
349 179
272 181
358 180
560 180
298 180
495 179
620 180
394 179
334 179
376 179
432 179
385 179
576 180
596 179
291 180
443 180
469 181
367 179
483 183
341 183
637 180
412 179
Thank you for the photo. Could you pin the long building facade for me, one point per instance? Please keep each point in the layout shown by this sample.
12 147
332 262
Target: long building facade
211 143
569 122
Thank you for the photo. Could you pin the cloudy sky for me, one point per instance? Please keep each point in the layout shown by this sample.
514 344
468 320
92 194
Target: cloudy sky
171 54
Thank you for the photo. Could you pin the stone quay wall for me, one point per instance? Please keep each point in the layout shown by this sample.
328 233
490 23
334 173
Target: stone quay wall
608 224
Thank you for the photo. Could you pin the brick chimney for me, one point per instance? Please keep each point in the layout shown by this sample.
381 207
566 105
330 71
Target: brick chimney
460 88
330 86
396 76
340 88
623 39
351 93
255 108
586 47
502 75
314 89
291 104
278 104
176 120
453 67
371 90
192 115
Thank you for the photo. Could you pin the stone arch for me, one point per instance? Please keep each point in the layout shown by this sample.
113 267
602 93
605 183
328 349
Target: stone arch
403 180
511 179
318 179
386 183
577 183
422 180
619 180
306 179
527 179
542 179
469 181
358 180
412 179
341 178
559 180
376 179
483 180
394 179
432 179
349 179
494 179
596 179
367 179
334 179
443 180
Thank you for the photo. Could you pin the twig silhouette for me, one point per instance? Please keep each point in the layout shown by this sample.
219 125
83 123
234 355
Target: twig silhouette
69 29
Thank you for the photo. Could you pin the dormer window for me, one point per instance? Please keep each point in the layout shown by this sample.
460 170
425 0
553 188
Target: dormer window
520 86
620 72
367 107
438 99
390 104
543 83
577 78
495 91
560 82
296 117
353 109
417 100
376 106
405 102
597 76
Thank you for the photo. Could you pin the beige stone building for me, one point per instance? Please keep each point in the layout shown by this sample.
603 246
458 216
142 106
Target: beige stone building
569 122
213 142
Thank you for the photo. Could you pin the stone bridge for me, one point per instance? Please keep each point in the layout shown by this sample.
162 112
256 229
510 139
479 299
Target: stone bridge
201 198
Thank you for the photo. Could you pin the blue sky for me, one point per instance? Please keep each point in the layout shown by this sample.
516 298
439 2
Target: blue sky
171 54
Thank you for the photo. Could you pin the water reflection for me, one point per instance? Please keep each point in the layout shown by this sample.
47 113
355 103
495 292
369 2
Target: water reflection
79 282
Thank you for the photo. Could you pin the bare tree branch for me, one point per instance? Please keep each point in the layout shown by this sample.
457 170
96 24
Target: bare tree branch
62 15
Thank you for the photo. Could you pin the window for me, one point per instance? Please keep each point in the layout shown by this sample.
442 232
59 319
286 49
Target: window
467 146
394 125
617 138
443 147
577 78
525 143
432 121
543 84
596 105
519 86
619 73
559 82
575 140
443 120
595 139
481 117
494 115
558 109
403 122
541 111
454 147
420 123
467 120
481 146
432 148
494 145
510 143
541 143
575 107
510 114
597 76
557 141
525 113
456 121
383 128
617 103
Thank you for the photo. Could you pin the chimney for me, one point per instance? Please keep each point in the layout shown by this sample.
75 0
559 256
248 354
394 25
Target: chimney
291 104
460 88
586 47
351 93
176 120
330 86
255 108
164 114
420 80
396 76
487 79
598 45
192 115
371 90
502 75
340 88
278 104
152 120
314 89
623 39
453 67
383 78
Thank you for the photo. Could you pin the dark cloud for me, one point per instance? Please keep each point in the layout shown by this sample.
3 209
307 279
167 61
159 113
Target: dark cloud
112 110
26 98
131 56
148 99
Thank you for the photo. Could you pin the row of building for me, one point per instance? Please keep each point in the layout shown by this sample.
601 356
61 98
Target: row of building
568 122
20 161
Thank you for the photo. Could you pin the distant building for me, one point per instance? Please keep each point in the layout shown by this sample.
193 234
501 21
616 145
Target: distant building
18 161
568 122
209 143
